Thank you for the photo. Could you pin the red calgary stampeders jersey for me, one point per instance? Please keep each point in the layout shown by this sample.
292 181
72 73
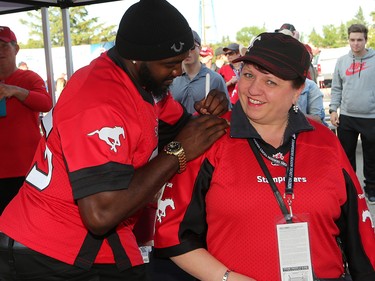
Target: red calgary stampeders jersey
101 130
223 203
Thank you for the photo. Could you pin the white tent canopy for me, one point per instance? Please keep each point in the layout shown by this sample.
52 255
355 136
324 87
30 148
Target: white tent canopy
7 7
14 6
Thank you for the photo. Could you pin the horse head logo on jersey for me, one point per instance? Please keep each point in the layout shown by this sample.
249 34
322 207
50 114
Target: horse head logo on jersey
367 215
163 204
110 136
278 156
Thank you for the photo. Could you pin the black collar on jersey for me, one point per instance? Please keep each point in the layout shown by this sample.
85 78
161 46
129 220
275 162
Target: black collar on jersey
240 127
116 58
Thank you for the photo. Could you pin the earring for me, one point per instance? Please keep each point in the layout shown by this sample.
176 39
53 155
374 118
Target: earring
295 108
134 62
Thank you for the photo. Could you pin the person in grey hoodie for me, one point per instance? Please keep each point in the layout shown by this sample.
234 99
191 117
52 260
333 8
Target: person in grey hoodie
353 91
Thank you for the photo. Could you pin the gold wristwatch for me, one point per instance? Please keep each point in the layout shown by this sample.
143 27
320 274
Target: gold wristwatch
175 148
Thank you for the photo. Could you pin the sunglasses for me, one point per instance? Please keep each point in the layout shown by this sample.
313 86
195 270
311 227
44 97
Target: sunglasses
193 48
230 53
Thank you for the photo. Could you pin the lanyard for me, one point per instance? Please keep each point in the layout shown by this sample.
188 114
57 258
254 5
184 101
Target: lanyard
289 195
288 214
236 71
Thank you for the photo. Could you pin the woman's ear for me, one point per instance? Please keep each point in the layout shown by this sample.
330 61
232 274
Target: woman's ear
297 93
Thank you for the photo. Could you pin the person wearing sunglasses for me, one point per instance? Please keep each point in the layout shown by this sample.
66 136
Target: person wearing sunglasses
231 71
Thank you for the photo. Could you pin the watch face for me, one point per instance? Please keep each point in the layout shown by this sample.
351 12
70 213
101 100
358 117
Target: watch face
174 146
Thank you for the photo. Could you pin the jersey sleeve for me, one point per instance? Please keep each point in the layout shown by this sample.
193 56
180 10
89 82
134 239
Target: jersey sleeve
38 99
356 227
181 217
97 146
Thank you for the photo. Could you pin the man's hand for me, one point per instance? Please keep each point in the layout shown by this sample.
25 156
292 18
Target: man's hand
334 117
216 103
9 91
200 133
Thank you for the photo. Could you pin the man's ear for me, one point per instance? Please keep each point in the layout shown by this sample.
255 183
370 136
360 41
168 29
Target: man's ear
17 47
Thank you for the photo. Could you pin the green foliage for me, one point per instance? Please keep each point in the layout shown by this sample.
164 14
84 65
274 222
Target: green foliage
332 36
246 34
335 37
83 30
371 33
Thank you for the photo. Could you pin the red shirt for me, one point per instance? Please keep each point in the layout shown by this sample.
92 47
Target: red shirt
19 129
228 72
223 203
101 130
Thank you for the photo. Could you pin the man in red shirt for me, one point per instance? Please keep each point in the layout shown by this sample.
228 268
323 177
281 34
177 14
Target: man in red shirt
24 95
231 71
101 159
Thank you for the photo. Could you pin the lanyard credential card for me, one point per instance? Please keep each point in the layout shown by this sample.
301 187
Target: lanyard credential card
293 238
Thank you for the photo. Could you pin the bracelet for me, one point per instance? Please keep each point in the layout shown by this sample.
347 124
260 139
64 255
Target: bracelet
226 274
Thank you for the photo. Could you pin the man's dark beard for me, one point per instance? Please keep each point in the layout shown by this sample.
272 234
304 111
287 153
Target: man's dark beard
157 90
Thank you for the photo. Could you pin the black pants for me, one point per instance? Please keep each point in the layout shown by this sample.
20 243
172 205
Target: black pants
348 131
20 263
9 188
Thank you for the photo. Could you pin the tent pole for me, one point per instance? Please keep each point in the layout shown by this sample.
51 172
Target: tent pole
48 53
67 42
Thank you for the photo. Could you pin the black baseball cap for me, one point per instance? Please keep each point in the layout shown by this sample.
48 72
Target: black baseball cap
280 54
232 47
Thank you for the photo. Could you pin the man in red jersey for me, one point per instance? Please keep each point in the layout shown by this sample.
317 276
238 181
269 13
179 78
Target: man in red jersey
23 96
102 158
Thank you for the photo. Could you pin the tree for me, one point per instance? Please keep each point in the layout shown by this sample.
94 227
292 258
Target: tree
83 30
315 38
358 18
334 37
246 34
371 33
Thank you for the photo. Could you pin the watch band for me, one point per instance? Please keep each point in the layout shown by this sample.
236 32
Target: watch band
181 161
175 148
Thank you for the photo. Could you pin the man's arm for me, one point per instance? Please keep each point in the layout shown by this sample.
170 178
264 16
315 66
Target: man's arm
315 106
103 211
336 94
31 92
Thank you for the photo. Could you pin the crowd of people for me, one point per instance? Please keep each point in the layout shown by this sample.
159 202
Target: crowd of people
167 160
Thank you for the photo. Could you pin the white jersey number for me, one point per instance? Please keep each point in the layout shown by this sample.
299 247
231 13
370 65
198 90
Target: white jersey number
38 178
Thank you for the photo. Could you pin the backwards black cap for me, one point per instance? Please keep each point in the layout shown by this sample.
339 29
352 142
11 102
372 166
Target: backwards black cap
153 30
